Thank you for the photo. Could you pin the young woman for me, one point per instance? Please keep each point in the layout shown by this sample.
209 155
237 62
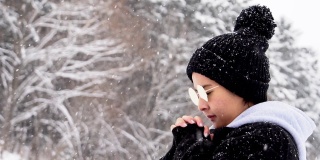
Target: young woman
230 74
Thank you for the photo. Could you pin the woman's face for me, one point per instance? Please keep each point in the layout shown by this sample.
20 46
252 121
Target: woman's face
223 106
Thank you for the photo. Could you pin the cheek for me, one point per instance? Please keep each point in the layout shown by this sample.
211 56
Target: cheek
221 105
218 105
219 102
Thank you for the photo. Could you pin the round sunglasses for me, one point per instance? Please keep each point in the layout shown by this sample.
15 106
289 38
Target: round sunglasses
194 96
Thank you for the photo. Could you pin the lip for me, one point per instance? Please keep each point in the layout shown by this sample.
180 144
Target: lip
212 117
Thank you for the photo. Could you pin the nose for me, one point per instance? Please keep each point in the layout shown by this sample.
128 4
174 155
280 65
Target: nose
203 105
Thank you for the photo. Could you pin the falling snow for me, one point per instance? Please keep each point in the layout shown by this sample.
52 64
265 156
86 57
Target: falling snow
107 81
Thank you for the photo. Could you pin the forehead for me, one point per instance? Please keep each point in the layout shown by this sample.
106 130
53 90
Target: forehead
202 80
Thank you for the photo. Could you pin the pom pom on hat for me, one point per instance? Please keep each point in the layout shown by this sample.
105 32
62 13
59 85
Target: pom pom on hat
258 18
237 60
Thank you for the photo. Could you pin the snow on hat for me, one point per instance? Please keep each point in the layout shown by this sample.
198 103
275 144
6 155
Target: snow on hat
237 60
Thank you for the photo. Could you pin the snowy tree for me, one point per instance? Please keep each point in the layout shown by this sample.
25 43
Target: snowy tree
105 79
295 77
52 53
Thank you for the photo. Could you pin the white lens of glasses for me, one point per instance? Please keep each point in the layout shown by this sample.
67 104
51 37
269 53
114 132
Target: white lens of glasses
193 96
202 93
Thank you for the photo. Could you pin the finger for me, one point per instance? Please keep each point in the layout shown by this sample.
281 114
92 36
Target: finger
188 119
198 121
180 122
211 136
206 131
172 127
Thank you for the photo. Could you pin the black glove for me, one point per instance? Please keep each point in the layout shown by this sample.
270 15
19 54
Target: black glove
190 143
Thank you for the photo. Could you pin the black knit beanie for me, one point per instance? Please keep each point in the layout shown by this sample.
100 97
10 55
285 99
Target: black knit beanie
237 60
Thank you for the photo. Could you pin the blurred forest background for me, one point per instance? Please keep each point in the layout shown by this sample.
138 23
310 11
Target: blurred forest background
105 79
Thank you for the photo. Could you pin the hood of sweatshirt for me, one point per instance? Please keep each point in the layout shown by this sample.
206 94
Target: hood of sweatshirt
296 122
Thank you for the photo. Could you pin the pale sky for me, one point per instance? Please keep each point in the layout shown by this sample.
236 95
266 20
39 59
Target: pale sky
304 16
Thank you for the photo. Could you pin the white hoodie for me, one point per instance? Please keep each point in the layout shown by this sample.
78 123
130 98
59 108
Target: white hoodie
296 122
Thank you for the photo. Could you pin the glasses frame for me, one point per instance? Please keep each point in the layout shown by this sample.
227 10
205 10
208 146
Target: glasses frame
202 93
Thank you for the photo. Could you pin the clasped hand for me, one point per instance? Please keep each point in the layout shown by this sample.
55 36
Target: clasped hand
185 120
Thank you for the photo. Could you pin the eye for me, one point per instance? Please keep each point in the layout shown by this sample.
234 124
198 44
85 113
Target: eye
208 93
